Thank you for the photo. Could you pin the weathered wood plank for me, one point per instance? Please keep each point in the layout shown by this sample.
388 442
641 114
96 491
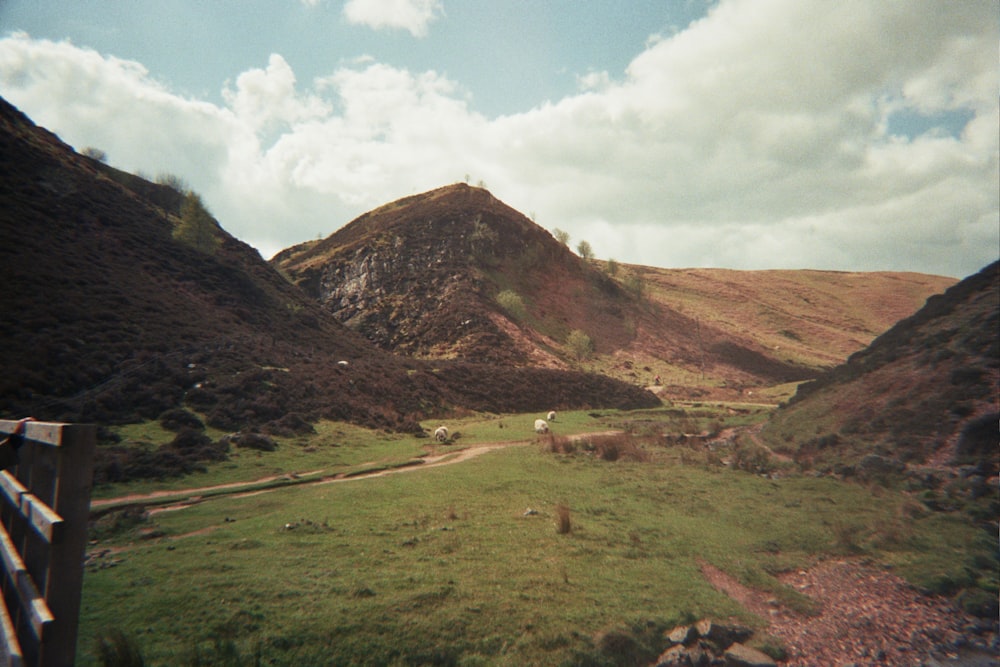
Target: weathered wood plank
40 516
49 433
31 600
10 648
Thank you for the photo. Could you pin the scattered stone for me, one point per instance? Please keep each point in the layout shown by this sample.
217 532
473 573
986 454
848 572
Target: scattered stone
675 656
739 655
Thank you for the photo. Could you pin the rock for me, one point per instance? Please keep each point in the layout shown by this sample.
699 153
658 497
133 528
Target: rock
700 656
682 634
739 655
676 656
722 635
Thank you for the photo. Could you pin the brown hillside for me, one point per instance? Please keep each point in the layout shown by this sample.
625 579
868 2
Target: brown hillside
425 276
421 276
925 391
110 319
803 318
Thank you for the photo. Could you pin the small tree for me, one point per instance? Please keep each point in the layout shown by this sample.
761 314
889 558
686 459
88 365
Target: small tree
584 250
612 268
561 236
196 227
95 154
635 285
172 181
580 344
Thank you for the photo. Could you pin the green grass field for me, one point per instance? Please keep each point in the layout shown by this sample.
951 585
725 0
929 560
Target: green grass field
443 565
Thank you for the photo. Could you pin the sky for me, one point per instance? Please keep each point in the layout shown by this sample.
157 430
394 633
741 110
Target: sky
857 135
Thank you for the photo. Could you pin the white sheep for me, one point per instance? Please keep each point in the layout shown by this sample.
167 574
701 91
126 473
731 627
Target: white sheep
552 416
441 433
541 426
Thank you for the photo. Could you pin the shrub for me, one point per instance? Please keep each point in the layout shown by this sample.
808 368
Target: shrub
563 523
512 302
256 441
635 285
580 344
753 459
172 181
196 228
95 154
619 447
178 419
118 650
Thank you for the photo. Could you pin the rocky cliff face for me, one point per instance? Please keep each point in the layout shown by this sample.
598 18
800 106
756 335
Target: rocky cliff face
421 276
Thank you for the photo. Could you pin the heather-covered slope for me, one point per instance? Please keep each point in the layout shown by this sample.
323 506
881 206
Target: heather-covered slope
435 275
926 391
421 276
110 319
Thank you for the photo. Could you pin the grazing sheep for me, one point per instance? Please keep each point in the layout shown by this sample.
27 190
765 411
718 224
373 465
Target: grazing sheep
541 426
441 434
552 416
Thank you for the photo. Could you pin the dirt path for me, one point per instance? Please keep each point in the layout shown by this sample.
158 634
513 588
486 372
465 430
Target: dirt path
866 616
155 496
180 498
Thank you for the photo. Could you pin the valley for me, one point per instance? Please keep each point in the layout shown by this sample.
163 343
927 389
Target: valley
724 438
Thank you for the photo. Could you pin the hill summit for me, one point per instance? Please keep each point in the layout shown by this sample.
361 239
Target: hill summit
455 272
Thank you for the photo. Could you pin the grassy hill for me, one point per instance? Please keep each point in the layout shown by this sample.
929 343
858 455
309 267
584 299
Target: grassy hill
528 554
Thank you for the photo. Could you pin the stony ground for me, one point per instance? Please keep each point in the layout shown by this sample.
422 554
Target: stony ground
867 616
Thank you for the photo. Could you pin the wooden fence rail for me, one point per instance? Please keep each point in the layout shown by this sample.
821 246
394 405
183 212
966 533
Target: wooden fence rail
44 508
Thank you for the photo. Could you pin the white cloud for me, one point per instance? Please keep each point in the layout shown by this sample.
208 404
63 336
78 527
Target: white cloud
264 97
755 138
412 15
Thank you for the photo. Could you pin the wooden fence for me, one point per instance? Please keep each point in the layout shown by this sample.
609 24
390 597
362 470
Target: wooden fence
44 508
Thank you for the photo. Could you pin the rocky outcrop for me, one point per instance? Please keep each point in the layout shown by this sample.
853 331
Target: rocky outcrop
708 643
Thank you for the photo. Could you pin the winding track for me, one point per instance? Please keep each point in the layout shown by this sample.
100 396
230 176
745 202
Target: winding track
180 498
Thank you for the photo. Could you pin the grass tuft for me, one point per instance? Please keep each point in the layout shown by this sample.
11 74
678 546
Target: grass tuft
563 523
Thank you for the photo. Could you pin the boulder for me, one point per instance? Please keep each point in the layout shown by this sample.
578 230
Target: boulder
682 634
721 634
739 655
698 655
675 656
